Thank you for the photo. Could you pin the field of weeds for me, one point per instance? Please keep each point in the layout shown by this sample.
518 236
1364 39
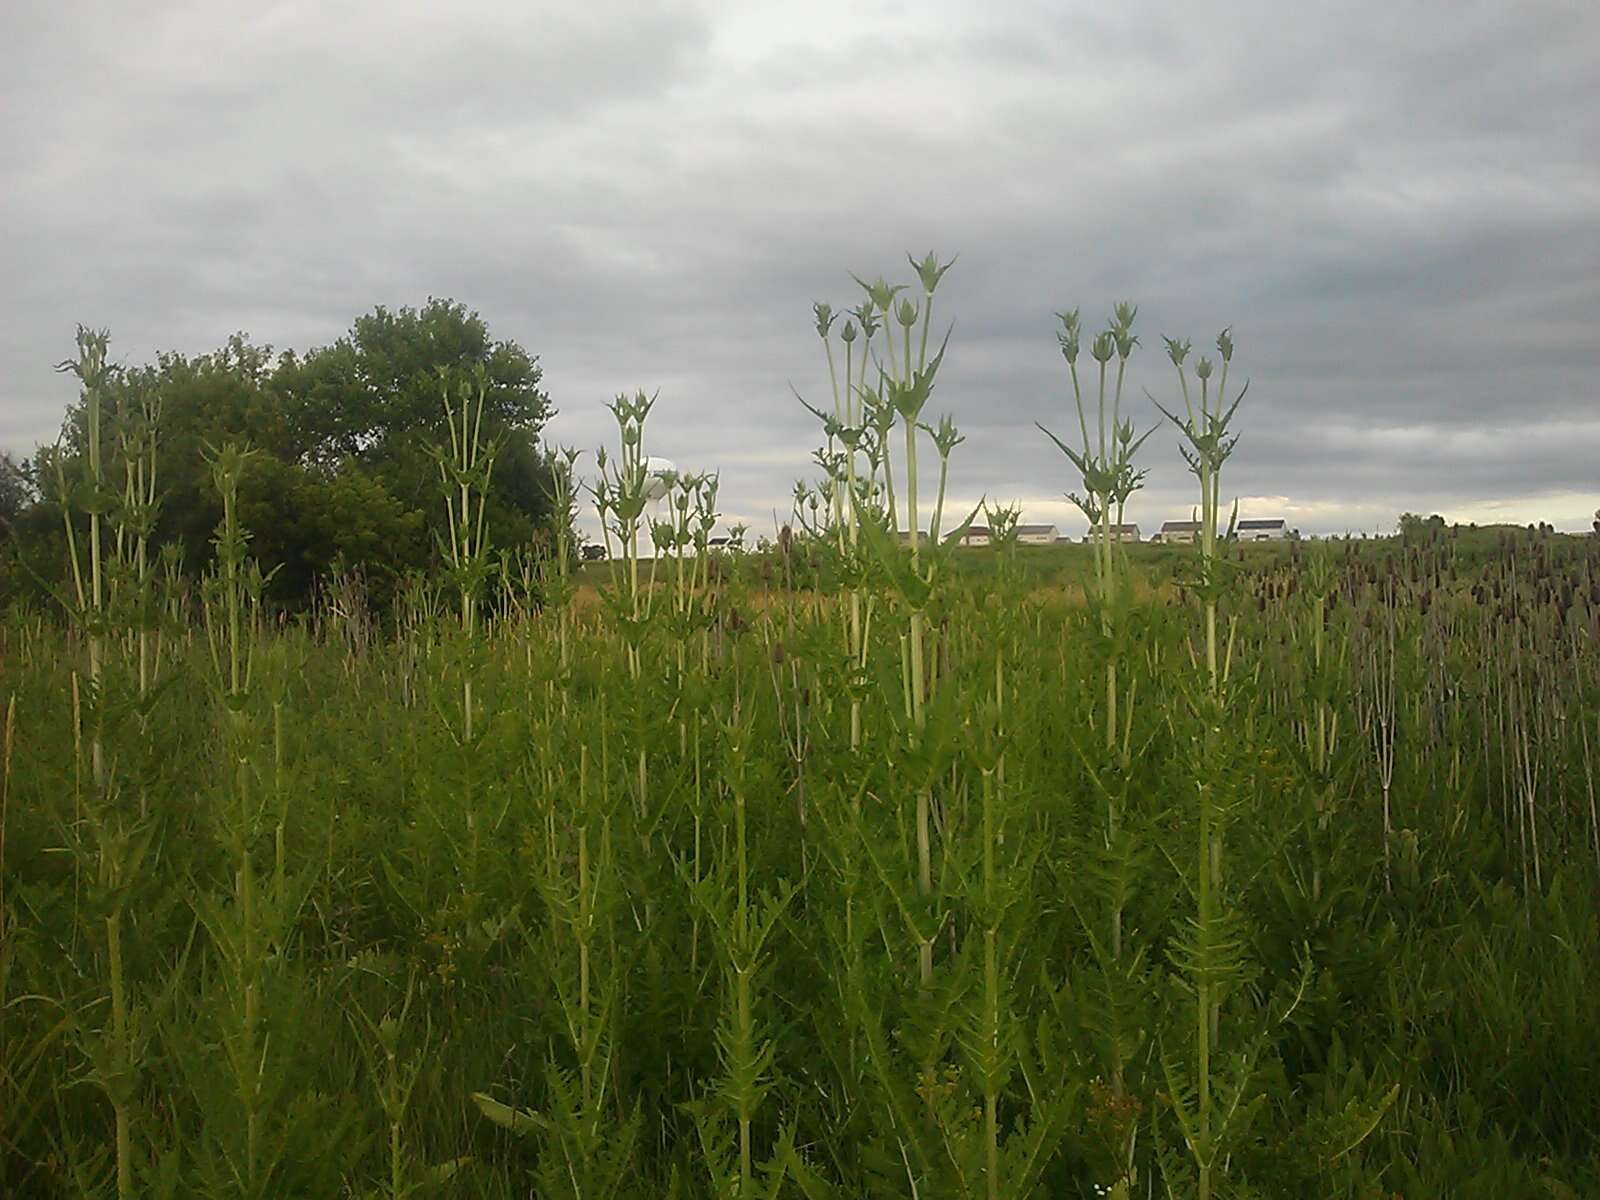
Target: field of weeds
845 869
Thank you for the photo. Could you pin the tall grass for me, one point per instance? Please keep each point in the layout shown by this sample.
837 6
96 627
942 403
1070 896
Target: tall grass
850 866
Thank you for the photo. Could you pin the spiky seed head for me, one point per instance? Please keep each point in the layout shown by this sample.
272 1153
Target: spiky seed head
880 292
1105 345
848 333
1225 344
1203 368
929 271
906 313
1177 350
866 317
824 314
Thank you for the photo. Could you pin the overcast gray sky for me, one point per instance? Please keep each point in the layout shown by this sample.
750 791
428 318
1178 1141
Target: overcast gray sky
1396 206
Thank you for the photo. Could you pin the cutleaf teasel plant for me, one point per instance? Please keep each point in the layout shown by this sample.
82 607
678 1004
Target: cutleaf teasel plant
767 900
466 468
1103 458
906 382
90 494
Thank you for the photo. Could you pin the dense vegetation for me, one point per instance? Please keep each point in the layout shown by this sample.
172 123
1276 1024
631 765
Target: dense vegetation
844 869
343 475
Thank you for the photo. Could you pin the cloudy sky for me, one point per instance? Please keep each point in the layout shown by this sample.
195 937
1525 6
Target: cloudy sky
1395 205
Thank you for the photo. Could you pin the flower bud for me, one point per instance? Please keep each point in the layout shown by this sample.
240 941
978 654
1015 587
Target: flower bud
929 271
880 293
824 314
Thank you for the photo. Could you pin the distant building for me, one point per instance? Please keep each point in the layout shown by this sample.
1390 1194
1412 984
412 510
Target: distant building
1036 535
976 535
1183 533
1271 529
1119 533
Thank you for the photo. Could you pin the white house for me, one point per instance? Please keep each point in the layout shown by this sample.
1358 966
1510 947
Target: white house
976 535
1179 532
1036 535
1119 533
1272 529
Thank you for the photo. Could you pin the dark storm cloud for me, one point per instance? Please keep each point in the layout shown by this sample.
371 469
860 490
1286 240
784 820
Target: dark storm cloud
1395 207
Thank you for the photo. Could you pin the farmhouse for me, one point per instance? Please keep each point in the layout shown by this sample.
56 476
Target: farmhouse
976 535
1036 535
1179 532
1262 530
1119 533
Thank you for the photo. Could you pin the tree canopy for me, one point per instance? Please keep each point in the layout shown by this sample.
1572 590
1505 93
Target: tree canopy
345 434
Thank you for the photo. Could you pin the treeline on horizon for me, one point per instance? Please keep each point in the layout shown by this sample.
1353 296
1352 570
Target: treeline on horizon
342 475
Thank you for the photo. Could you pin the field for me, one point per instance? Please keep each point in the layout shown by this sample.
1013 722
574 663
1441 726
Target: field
312 936
835 868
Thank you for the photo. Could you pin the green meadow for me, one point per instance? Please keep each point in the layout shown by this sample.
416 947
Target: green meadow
840 867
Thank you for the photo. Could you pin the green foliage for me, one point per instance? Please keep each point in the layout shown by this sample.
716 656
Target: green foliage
489 880
846 867
343 476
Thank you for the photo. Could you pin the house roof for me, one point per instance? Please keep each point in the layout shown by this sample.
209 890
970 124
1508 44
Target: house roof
1036 528
1262 523
1180 527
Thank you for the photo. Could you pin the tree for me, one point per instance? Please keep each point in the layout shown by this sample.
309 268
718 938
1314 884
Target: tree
375 392
16 488
373 399
20 525
344 471
1413 526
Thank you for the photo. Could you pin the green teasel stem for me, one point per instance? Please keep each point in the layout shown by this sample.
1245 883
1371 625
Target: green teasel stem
121 1052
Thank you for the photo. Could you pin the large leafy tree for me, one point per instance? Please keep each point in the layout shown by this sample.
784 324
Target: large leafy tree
345 434
16 490
374 399
375 392
20 524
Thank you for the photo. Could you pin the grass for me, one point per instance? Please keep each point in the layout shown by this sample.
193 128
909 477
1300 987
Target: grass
837 869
